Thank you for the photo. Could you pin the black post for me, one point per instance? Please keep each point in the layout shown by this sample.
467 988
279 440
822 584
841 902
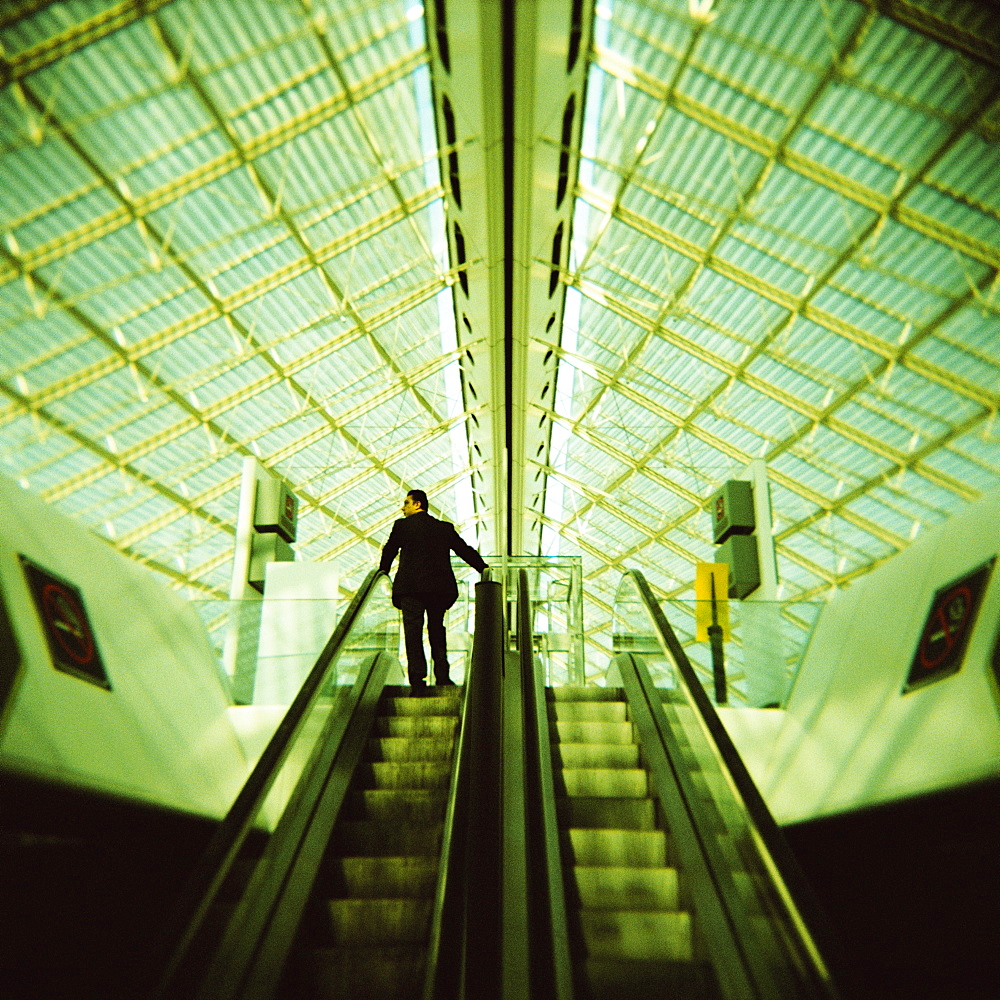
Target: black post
718 654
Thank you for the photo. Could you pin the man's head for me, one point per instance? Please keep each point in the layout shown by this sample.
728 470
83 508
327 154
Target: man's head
416 501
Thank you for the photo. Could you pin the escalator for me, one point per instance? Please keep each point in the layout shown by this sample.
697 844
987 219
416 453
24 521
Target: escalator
350 847
656 868
630 916
504 840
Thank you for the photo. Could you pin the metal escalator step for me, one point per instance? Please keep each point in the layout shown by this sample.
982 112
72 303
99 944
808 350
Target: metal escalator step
361 973
637 936
375 921
593 732
598 813
587 693
617 887
378 877
588 711
415 725
619 782
403 774
634 848
434 705
609 979
403 748
595 754
401 805
384 838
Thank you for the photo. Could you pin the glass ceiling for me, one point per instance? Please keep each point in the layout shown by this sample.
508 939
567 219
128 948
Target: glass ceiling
785 246
222 234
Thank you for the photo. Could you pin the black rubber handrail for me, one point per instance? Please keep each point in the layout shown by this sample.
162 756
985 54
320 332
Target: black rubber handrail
466 954
550 967
188 916
817 949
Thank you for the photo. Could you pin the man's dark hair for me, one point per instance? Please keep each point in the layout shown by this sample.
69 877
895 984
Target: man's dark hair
419 496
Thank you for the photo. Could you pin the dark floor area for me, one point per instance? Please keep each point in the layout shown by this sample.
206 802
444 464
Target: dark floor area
84 883
912 890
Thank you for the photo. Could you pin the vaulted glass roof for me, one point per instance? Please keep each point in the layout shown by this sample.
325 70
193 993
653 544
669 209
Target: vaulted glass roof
223 233
785 247
223 236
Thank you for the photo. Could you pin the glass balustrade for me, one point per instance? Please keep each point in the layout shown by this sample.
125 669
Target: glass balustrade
763 648
266 648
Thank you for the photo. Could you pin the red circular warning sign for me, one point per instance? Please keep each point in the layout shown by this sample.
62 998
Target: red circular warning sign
67 622
948 628
947 621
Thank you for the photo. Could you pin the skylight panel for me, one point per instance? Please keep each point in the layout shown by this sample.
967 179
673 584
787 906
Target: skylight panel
967 219
871 321
785 379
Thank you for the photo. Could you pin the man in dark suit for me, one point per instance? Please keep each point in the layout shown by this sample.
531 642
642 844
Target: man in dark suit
425 583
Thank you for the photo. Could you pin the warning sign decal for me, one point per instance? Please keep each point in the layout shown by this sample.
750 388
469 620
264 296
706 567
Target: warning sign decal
948 627
67 628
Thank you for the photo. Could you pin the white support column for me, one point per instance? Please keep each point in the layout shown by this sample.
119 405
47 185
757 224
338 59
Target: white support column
763 647
244 530
239 589
756 472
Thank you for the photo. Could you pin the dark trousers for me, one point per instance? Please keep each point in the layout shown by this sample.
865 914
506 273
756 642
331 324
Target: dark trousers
413 609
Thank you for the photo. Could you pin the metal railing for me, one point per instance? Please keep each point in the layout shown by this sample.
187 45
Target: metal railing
765 934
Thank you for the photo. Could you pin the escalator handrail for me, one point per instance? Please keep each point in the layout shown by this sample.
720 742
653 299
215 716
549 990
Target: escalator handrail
550 963
805 918
206 879
465 956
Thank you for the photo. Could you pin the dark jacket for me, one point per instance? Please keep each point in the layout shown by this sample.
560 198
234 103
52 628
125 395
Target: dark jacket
425 545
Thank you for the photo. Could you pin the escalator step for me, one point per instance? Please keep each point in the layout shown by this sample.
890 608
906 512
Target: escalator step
389 838
403 774
378 877
403 748
595 755
606 814
375 921
436 705
594 732
588 693
414 726
625 888
635 848
637 936
611 980
623 783
403 805
362 973
589 711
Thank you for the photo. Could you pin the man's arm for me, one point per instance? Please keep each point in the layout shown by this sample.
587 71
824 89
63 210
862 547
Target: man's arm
463 550
390 549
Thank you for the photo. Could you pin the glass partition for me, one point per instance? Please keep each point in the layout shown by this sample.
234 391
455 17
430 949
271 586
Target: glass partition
555 593
742 844
375 629
266 648
763 650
